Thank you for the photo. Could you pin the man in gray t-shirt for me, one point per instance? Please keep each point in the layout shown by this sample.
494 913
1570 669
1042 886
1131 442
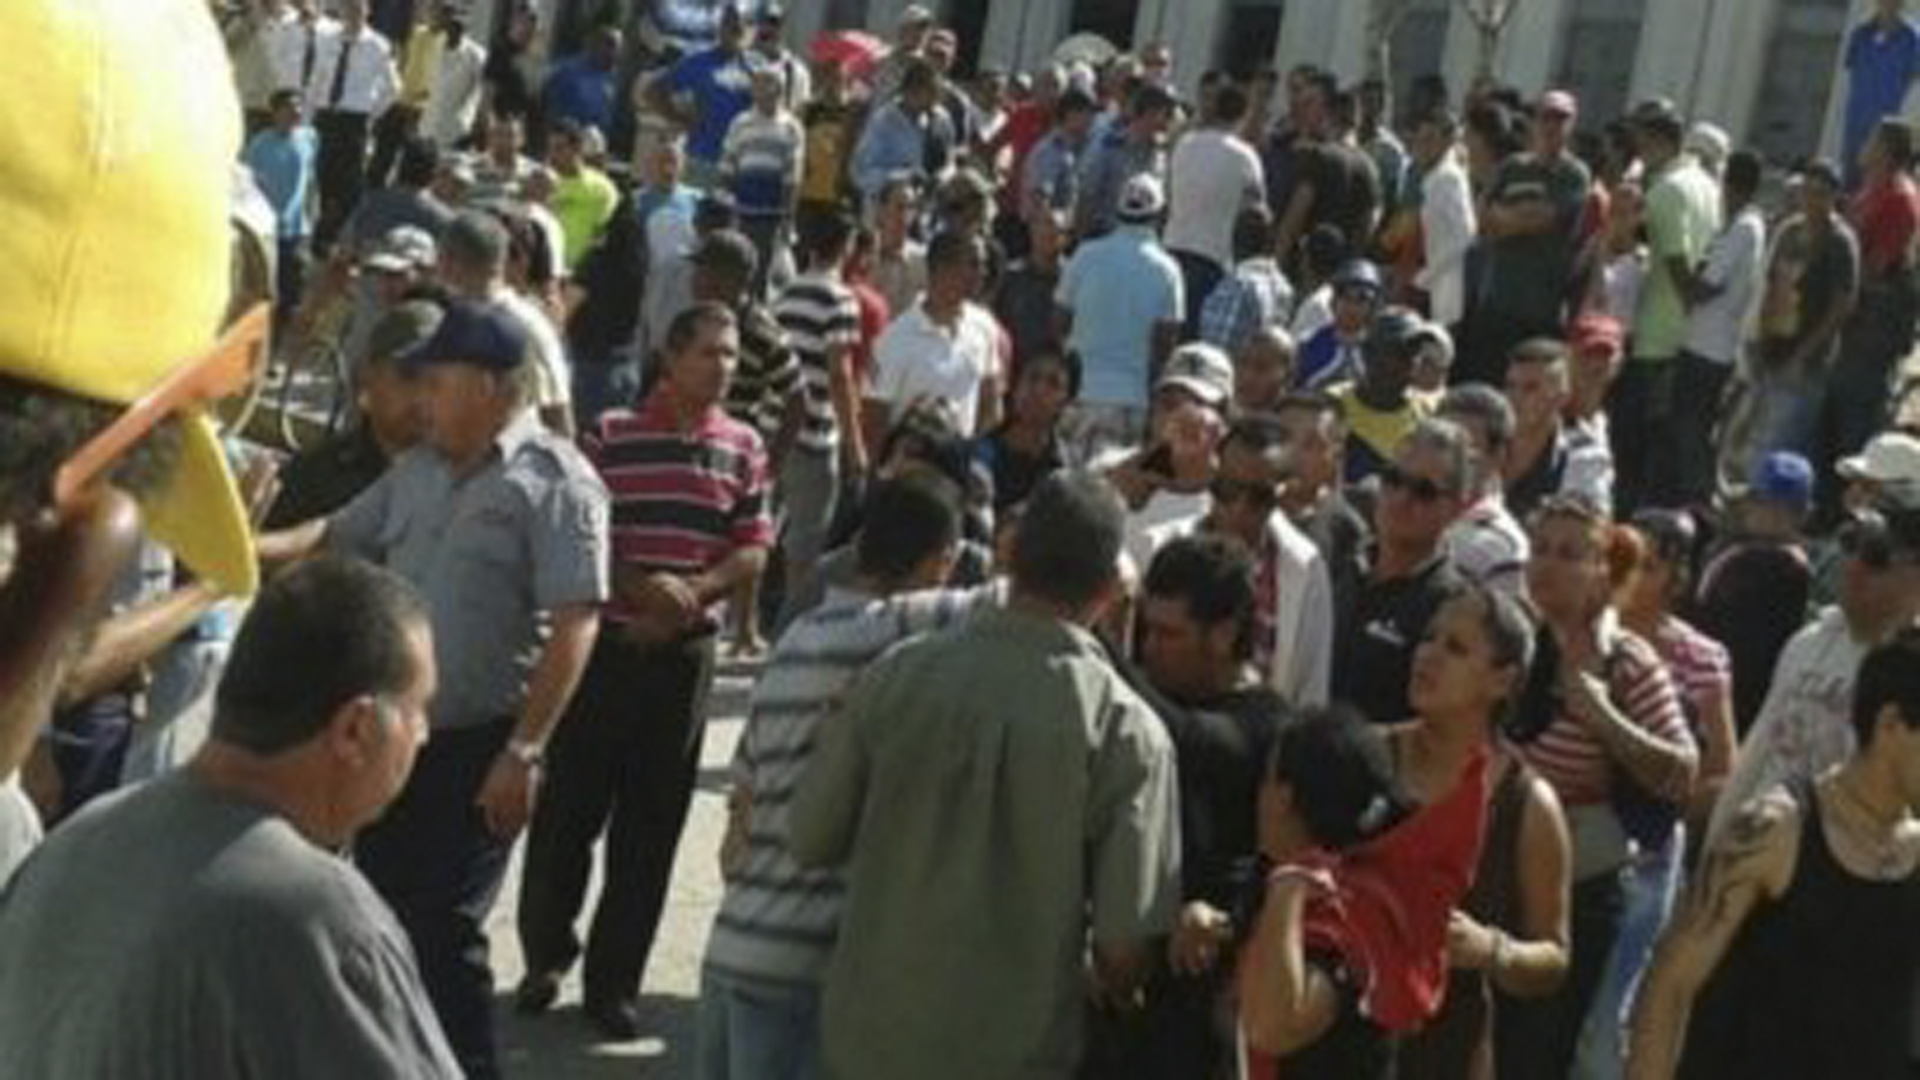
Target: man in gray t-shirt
203 926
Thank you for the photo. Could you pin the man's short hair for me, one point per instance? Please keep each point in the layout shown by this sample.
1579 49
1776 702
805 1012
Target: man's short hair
949 248
1258 432
1150 98
1052 352
1229 103
1443 120
908 520
328 631
824 236
476 240
1451 442
1744 172
685 328
1896 139
1325 249
566 127
1890 675
1318 402
1253 233
1213 576
1539 350
284 96
1482 403
1074 100
918 75
1068 539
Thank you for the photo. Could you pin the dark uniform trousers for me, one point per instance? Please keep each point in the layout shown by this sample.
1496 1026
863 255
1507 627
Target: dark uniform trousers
625 759
438 866
341 170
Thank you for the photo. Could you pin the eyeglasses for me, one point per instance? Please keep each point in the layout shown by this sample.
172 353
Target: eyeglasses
1870 538
1420 488
220 372
1259 496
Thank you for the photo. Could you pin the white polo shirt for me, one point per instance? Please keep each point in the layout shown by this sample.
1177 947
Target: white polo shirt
916 358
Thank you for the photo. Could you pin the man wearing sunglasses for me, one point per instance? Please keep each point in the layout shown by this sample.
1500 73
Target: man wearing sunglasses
1423 489
114 251
1292 640
1804 726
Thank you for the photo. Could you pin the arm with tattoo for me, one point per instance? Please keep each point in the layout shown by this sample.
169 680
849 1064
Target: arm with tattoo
1749 865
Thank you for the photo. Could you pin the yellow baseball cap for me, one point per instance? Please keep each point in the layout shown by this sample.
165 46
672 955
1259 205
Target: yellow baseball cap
115 172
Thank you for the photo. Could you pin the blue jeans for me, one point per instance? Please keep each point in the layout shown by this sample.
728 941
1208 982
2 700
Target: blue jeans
1652 880
754 1030
1787 408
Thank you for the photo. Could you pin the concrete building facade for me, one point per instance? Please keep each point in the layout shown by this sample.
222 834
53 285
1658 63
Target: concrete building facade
1766 70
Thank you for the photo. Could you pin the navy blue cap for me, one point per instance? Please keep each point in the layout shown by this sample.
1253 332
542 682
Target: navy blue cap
483 335
1785 477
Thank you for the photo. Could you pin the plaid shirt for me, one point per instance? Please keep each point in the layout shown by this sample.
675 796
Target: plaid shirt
1256 294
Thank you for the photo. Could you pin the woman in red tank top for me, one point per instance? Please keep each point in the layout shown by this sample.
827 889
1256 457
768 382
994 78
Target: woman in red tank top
1350 946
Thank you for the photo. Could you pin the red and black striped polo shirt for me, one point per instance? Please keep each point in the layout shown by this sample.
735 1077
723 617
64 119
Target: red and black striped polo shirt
682 500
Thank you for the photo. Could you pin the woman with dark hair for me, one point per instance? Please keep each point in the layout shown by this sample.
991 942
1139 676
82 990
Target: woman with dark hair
1355 934
1508 941
1702 677
1600 721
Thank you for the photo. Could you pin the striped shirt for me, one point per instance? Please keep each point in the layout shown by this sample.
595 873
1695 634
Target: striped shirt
1572 759
767 375
682 501
1699 665
820 315
778 921
1490 547
761 159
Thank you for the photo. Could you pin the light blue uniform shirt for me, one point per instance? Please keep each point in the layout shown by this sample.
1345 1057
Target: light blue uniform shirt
1119 288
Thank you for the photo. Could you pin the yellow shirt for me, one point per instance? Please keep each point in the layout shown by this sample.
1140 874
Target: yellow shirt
424 48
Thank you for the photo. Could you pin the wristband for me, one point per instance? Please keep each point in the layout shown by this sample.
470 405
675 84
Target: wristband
527 752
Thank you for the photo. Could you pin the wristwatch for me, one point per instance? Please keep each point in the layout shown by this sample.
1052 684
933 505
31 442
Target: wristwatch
527 752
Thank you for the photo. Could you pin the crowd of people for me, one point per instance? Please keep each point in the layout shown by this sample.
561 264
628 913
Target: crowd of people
1243 576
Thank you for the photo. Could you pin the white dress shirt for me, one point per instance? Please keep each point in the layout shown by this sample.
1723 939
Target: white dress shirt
1447 220
1213 177
917 358
454 99
372 83
286 37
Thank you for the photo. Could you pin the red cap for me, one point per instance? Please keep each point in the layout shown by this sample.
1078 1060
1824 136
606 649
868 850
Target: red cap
1594 331
1559 103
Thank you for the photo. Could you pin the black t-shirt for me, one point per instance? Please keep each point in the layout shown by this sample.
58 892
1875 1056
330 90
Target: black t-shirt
1804 277
1015 474
1375 635
1221 748
1346 189
319 480
1025 305
1752 599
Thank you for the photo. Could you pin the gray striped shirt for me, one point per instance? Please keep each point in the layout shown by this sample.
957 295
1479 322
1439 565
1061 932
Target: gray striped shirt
778 921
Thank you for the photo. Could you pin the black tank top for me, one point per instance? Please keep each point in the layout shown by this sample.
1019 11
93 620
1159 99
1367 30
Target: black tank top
1818 984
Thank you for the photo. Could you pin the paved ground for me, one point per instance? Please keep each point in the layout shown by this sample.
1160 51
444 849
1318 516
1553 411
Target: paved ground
562 1045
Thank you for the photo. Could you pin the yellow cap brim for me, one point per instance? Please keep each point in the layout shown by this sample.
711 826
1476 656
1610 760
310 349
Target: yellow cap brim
196 513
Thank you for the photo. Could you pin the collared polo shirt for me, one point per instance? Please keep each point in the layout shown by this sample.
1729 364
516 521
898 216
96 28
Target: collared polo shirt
919 358
682 500
492 552
1683 217
1375 635
1119 288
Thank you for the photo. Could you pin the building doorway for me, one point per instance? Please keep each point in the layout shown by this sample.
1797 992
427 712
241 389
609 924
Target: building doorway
1801 64
1597 52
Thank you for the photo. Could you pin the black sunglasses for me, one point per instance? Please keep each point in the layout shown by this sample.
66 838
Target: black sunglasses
1419 487
1870 538
1259 496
